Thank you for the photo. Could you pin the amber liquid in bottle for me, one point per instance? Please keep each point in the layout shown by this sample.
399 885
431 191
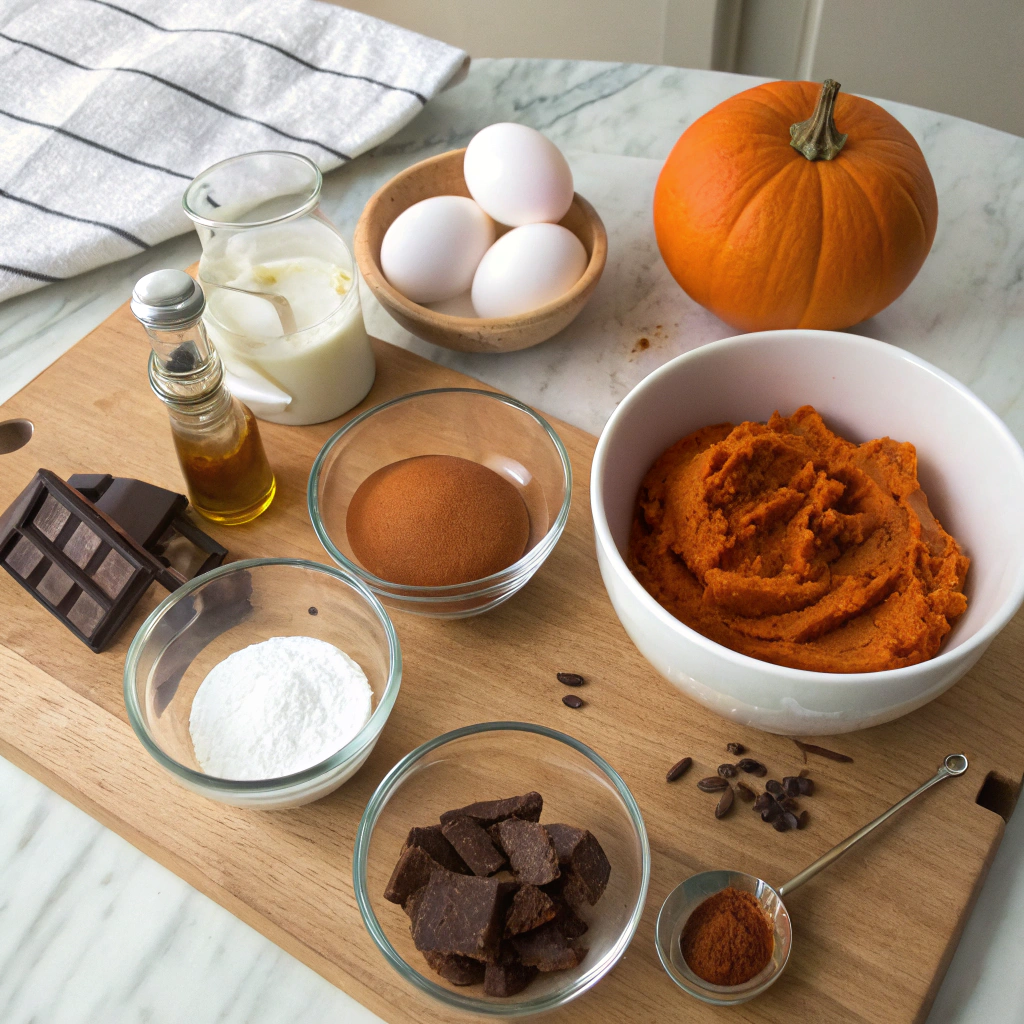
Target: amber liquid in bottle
225 467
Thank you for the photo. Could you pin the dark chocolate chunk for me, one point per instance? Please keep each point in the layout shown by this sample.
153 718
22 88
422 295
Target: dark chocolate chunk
487 812
530 850
735 748
547 949
679 768
569 678
412 905
772 813
433 842
473 845
568 922
462 914
508 978
412 872
805 785
459 970
582 861
531 907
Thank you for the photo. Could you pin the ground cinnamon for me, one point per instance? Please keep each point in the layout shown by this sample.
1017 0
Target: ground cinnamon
436 520
728 939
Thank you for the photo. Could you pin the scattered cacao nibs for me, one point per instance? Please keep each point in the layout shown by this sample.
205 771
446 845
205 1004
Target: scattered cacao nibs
772 812
805 785
787 803
570 678
712 784
801 820
745 792
791 819
725 803
752 767
762 802
774 787
728 771
678 769
813 748
780 824
570 700
735 748
791 784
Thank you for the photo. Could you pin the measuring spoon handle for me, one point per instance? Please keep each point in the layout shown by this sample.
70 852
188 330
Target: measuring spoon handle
955 764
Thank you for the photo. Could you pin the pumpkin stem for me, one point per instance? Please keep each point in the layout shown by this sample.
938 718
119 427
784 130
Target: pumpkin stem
817 138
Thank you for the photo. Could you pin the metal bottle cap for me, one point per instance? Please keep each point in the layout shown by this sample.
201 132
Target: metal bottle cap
168 298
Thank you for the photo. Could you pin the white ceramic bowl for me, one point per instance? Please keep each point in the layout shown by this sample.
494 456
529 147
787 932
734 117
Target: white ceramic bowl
969 465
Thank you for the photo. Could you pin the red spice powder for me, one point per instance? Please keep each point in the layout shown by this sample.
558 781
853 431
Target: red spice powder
728 939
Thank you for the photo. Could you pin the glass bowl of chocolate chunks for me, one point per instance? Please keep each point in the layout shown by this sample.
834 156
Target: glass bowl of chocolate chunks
502 868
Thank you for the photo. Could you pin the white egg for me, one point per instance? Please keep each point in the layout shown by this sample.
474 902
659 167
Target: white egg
527 268
432 250
517 175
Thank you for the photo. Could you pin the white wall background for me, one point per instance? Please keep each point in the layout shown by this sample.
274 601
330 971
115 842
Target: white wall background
963 57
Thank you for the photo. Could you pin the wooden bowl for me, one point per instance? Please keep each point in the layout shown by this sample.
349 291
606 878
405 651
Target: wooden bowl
442 176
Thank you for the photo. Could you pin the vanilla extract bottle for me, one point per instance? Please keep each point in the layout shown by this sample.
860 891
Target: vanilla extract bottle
216 437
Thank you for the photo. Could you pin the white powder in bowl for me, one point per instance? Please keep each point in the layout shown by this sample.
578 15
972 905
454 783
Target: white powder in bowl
277 707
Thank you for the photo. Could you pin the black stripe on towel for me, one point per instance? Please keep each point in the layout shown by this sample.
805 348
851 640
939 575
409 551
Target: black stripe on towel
34 275
178 88
127 235
96 145
270 46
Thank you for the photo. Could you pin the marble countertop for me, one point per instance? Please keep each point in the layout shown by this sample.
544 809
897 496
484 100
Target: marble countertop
91 930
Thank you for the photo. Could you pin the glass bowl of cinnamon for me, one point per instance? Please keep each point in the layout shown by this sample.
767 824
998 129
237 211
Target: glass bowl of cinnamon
443 502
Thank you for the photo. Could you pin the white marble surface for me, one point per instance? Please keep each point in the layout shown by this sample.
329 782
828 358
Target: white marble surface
91 929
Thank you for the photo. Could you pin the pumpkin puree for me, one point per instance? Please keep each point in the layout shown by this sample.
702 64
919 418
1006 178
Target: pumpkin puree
790 544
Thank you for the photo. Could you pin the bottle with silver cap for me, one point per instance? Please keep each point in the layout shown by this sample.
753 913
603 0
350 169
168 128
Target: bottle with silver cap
216 437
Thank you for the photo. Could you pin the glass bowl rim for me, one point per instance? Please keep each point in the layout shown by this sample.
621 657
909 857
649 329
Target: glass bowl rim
379 800
453 591
309 204
366 734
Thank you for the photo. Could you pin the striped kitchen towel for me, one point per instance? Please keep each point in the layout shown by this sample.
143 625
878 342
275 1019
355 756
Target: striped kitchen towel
108 108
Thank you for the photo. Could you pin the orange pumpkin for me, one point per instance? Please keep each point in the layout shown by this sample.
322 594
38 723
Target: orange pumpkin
819 230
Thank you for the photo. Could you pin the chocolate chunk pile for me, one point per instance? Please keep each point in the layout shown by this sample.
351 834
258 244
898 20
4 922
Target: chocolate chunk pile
492 895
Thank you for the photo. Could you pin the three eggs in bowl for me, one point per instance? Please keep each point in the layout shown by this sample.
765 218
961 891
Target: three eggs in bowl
499 252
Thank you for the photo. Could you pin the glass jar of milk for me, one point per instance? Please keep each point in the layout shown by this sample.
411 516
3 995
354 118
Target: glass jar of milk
282 297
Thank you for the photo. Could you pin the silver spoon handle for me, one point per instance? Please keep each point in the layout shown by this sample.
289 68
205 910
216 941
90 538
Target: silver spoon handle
955 764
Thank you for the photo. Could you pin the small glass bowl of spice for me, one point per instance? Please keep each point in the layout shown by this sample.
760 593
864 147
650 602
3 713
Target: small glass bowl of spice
443 502
724 936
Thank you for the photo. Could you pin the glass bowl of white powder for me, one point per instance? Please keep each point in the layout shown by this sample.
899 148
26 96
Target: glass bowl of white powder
264 683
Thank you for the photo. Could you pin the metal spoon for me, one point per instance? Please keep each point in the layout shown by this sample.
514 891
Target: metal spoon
15 434
281 305
688 895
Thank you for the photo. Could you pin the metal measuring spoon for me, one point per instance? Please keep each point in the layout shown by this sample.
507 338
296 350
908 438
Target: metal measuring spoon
14 434
688 895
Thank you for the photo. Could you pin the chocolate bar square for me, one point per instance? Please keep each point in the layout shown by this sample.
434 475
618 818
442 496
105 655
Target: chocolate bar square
530 908
473 845
462 914
529 850
583 863
547 949
487 812
412 872
434 843
459 970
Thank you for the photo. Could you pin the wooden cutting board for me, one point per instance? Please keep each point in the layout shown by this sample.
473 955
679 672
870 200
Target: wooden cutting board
873 936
